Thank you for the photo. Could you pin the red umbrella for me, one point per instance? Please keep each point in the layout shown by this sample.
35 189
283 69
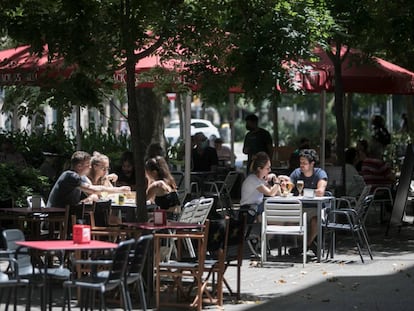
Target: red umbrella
360 74
20 66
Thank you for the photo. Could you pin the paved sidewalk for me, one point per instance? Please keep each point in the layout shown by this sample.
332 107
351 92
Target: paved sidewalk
344 283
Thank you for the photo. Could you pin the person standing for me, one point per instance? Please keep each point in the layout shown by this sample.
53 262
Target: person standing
257 139
380 136
313 178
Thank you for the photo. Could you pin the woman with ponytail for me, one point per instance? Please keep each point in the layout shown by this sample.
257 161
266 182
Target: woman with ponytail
259 183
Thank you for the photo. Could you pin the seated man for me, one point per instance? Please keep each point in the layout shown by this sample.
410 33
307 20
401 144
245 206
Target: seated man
71 183
224 153
313 178
204 157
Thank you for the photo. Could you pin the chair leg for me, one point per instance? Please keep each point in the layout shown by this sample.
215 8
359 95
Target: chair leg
128 297
263 256
8 297
141 289
357 241
364 235
366 239
29 298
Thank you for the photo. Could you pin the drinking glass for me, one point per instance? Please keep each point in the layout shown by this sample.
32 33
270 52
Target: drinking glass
299 186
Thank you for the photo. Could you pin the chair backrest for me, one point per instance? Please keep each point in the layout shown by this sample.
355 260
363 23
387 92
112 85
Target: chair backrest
188 210
218 235
364 193
178 177
120 261
29 200
139 254
101 211
364 206
280 212
10 237
235 240
203 209
335 177
230 180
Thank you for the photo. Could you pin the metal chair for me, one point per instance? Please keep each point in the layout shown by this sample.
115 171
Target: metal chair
33 273
350 220
135 269
221 190
283 218
115 278
11 281
381 197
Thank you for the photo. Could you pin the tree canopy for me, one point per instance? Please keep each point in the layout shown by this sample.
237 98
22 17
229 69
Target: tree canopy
221 43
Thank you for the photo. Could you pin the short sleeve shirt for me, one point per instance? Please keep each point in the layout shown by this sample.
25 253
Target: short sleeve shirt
202 162
257 141
310 182
66 190
249 192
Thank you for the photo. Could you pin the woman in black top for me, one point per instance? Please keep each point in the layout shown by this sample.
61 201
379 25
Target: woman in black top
161 188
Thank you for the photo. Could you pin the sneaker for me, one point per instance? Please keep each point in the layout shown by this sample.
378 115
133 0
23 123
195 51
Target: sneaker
314 248
295 251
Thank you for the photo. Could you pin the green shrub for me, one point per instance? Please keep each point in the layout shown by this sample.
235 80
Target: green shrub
18 183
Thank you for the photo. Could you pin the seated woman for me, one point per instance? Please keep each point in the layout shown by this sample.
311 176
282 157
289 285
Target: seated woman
98 175
161 188
126 172
258 184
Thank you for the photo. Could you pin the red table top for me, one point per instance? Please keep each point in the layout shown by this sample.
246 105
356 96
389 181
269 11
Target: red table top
66 245
27 210
175 225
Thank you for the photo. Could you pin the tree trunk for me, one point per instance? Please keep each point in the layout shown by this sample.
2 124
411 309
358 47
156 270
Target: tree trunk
275 115
144 114
339 107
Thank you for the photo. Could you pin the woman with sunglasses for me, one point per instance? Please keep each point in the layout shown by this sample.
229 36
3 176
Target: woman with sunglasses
98 175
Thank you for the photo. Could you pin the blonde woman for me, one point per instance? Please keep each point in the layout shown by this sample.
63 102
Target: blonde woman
98 175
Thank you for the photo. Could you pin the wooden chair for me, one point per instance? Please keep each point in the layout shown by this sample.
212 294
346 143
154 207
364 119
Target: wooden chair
179 270
215 265
234 254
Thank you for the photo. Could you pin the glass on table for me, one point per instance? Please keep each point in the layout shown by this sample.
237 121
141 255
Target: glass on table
300 185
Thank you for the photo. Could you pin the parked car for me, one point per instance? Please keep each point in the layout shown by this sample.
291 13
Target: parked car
172 131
